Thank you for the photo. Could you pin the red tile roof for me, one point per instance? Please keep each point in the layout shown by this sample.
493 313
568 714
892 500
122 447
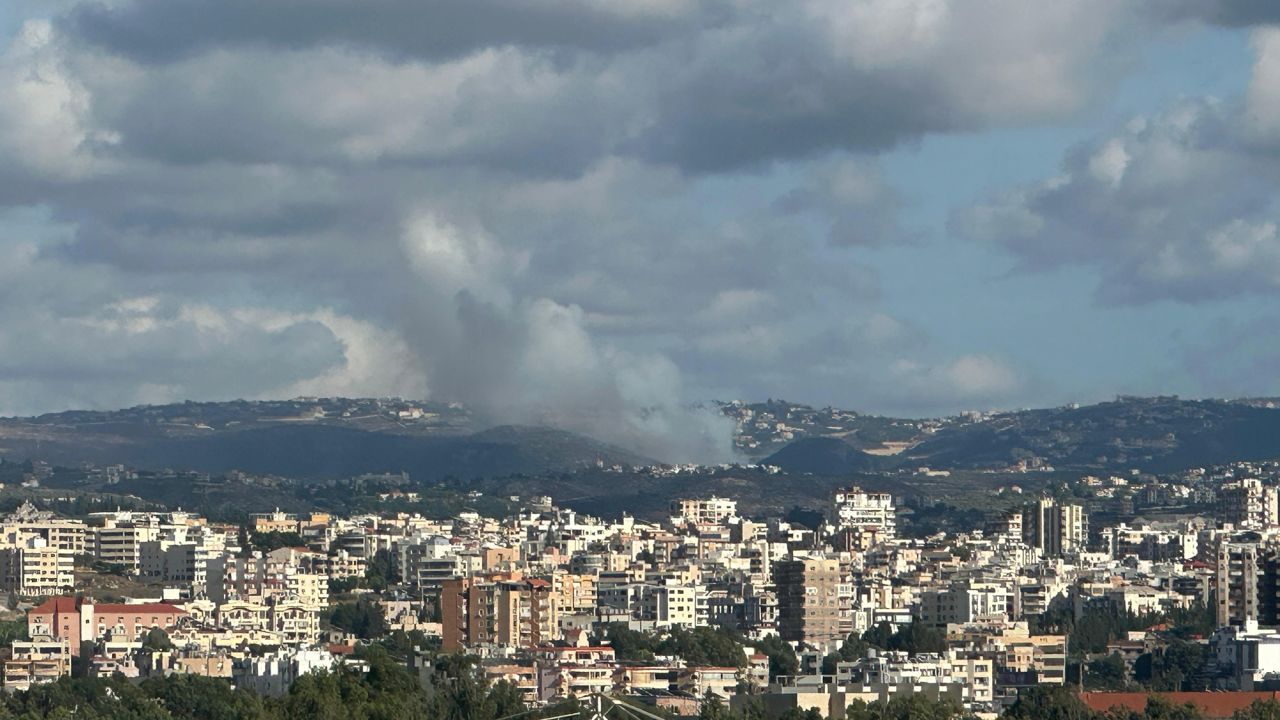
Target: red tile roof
136 608
1213 705
55 605
71 604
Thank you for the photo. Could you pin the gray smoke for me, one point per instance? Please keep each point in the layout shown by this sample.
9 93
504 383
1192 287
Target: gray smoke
532 360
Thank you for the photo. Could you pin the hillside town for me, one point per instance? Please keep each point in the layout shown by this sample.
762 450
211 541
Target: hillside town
763 617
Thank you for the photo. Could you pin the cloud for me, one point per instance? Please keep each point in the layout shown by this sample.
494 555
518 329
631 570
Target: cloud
44 124
863 208
1232 13
586 213
168 30
1180 206
554 86
977 379
144 350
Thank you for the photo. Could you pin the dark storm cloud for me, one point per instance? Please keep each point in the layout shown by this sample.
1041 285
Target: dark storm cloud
1235 13
709 89
166 30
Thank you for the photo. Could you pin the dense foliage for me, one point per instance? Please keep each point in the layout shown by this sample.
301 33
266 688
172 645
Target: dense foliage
387 692
700 646
274 540
364 617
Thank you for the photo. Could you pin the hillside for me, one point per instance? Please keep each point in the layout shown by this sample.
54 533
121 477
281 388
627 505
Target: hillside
303 439
1154 434
824 456
327 438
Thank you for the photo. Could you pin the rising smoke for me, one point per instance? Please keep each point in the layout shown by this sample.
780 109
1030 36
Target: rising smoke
531 360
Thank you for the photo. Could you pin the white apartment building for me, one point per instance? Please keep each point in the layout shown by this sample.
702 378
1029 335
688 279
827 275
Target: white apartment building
184 563
853 508
34 567
1248 503
966 602
711 511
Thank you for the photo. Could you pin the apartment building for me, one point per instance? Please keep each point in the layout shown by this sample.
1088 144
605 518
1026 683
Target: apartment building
34 567
813 600
518 613
79 619
855 509
709 511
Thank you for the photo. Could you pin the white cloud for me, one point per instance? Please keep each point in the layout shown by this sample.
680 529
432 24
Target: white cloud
977 378
1178 205
44 116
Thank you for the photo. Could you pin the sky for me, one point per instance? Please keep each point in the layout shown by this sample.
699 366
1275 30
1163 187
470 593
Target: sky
598 214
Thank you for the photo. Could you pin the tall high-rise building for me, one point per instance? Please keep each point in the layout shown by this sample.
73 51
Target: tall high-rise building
814 603
518 613
1055 529
1236 582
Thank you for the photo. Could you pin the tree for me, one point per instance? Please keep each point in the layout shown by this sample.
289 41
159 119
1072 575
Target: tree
381 571
1159 708
203 698
505 699
1049 702
363 617
627 643
912 707
157 639
274 540
712 708
782 657
704 646
11 630
342 586
1259 710
460 695
1179 667
878 635
853 648
918 638
242 539
1107 673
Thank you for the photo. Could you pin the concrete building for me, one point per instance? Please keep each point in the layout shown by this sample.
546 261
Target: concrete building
1055 529
711 511
1248 503
41 659
78 620
184 563
34 567
855 509
813 600
518 613
965 602
1246 657
1236 582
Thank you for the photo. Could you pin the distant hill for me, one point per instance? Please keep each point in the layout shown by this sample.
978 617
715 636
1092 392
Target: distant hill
326 438
294 439
1155 434
824 456
1152 434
